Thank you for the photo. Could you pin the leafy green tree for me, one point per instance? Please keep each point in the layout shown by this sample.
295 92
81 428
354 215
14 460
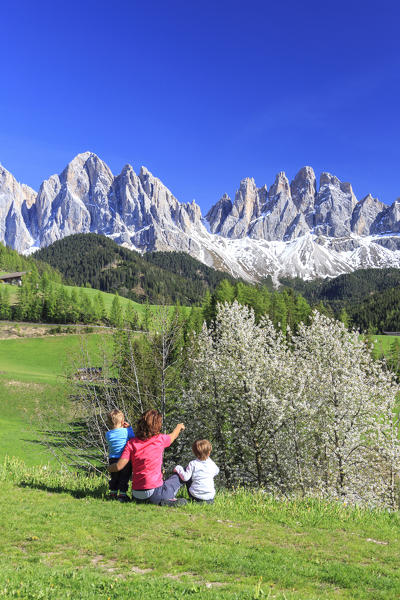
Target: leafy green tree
86 308
225 292
49 313
146 319
99 309
131 316
63 303
279 311
116 316
344 318
5 308
209 307
303 310
72 307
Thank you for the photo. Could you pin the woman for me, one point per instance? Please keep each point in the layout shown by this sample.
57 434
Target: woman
145 451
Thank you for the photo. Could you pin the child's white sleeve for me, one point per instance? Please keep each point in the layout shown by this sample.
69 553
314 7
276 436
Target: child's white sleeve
184 474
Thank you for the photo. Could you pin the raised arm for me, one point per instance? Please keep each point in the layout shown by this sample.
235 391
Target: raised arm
180 427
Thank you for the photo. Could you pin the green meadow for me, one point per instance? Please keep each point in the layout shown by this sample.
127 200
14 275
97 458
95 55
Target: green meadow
61 538
382 343
92 293
108 299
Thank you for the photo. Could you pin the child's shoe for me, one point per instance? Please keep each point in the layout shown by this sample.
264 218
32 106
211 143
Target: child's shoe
123 498
112 496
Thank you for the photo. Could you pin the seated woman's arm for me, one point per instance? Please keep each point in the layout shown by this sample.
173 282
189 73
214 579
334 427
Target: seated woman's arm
180 427
118 466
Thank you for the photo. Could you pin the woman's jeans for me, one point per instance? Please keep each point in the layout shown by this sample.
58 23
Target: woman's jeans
166 491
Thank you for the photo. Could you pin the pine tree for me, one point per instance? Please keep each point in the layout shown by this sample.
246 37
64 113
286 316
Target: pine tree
5 308
131 317
147 317
99 309
344 318
224 292
116 317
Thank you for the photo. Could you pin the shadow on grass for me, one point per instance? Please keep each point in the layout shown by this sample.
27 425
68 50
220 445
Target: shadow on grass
74 447
77 493
89 455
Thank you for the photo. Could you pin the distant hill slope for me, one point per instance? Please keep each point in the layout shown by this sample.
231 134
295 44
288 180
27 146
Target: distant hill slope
350 287
371 297
159 277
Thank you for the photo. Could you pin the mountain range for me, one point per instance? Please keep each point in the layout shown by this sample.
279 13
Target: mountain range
295 228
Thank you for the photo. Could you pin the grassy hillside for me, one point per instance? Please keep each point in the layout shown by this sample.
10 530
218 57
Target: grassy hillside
62 539
31 378
159 277
108 299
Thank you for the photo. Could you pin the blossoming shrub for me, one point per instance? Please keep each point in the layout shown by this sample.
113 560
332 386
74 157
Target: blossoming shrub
311 413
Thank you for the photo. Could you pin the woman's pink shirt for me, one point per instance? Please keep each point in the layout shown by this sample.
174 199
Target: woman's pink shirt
146 457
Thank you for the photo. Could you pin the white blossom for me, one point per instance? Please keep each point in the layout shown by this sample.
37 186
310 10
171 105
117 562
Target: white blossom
311 415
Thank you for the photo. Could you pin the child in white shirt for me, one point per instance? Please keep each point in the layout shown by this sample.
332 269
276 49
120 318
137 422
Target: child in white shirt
199 474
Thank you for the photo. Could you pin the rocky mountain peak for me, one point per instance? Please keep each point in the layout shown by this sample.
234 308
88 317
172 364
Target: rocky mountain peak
280 185
304 189
334 206
217 214
366 212
245 208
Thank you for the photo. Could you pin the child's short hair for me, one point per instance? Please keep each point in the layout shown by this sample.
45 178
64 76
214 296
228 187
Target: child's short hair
115 417
202 449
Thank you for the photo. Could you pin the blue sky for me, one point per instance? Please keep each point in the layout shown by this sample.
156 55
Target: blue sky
203 93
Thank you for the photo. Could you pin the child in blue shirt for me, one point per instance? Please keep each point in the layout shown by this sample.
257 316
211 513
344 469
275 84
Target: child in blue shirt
119 433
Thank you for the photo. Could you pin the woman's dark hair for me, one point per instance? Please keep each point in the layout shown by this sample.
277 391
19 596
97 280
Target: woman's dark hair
148 425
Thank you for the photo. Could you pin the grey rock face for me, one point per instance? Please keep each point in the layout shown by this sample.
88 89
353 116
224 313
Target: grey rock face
334 207
304 190
366 212
391 243
278 213
17 208
133 209
245 208
217 214
388 221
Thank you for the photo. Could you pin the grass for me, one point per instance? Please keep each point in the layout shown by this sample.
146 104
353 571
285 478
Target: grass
108 299
382 343
62 536
61 539
92 293
31 378
43 359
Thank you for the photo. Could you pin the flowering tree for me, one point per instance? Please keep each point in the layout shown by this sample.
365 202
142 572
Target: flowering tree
347 437
237 393
312 415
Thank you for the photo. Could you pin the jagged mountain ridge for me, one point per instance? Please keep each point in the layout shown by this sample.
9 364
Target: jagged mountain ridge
291 229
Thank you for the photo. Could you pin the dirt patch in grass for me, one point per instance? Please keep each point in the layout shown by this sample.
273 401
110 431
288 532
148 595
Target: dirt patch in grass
177 576
140 571
113 566
11 331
